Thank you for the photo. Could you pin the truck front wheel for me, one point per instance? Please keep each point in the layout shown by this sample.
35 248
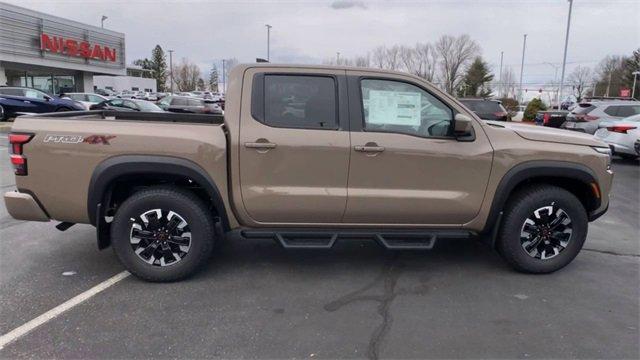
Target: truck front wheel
543 230
162 234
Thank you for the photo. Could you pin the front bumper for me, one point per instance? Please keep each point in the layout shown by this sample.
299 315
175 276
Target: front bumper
23 206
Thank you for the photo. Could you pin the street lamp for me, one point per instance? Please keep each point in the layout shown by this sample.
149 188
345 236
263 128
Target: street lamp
524 46
564 59
102 21
635 76
171 69
268 41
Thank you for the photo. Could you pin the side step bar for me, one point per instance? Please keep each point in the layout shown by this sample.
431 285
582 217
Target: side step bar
325 239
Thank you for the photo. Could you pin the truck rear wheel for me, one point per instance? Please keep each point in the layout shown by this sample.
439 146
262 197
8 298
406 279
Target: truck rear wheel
162 234
543 230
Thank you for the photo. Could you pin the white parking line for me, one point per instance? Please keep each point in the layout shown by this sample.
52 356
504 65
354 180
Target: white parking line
22 330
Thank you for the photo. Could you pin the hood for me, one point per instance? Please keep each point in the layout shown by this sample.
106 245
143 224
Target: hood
547 134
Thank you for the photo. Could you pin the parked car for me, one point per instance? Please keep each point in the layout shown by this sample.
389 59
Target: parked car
623 136
587 115
187 104
127 105
106 93
487 109
127 94
86 99
198 93
347 166
16 100
551 118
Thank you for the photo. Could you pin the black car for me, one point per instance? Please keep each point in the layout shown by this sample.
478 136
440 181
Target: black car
487 109
127 105
189 104
16 100
551 118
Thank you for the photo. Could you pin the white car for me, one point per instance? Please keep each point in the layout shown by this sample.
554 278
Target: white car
519 115
623 136
86 99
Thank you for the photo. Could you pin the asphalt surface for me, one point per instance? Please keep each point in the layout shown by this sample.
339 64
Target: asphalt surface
257 300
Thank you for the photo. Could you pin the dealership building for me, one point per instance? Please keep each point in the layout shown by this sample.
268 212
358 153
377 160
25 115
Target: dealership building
58 55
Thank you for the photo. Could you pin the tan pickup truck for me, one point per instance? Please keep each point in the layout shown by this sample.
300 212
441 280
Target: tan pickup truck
307 156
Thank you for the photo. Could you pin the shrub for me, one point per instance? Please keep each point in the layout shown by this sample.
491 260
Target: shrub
533 107
510 104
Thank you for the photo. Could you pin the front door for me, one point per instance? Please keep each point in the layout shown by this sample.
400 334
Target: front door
406 165
294 150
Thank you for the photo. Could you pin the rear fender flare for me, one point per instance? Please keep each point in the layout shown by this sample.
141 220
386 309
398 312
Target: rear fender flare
111 169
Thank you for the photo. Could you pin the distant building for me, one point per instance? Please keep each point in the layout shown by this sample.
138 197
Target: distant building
136 79
54 54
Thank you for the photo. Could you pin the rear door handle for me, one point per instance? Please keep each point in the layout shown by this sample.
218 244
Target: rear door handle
260 145
369 148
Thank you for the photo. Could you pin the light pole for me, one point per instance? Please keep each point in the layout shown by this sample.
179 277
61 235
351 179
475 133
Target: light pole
171 69
268 41
500 75
555 81
338 58
524 47
224 78
635 76
564 58
102 21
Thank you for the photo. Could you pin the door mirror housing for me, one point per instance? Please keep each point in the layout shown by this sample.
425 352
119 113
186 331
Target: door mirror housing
463 128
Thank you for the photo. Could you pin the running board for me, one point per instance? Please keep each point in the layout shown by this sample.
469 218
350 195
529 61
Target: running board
325 239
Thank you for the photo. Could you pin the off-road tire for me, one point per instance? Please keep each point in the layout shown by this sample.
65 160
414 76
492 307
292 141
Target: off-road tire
180 201
520 207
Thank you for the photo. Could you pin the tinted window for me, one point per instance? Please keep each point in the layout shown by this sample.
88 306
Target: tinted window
483 106
195 102
116 102
12 91
624 111
393 106
300 101
129 105
179 101
611 110
148 106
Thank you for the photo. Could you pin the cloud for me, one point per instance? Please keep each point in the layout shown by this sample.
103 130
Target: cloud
347 4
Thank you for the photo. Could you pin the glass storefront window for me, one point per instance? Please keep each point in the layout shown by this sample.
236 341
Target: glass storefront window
52 84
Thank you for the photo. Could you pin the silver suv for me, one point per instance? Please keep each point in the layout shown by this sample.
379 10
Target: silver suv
587 115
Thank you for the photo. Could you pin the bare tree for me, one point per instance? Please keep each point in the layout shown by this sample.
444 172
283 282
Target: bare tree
393 58
454 53
580 78
362 61
507 85
428 61
186 75
386 58
410 60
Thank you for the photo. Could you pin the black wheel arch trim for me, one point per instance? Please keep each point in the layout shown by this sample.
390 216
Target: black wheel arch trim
112 168
534 169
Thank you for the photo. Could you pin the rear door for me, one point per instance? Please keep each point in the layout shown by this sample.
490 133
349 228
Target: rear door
406 166
294 146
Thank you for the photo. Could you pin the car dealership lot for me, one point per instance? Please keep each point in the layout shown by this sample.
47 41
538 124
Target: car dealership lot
357 300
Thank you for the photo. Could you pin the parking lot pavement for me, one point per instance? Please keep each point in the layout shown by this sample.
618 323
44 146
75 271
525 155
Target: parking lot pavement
257 300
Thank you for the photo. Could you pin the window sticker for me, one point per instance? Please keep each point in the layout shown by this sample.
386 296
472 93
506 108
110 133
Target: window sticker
394 108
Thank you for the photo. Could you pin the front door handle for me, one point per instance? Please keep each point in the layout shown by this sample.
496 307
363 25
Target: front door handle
260 145
370 148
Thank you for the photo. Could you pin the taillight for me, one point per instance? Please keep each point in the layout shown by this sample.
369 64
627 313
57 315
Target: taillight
500 114
546 118
16 144
621 128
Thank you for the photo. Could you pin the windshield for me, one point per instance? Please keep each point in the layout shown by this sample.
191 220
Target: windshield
483 106
148 106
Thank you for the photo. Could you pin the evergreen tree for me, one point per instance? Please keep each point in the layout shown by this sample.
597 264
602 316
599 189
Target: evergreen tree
143 63
476 80
158 64
201 85
213 78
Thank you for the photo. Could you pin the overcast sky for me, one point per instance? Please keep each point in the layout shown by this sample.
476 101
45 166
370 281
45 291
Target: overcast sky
311 31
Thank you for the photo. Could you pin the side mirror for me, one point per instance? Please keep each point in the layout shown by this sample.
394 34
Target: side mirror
48 98
463 128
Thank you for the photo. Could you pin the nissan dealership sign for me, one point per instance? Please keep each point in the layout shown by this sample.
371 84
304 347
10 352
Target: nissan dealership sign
70 47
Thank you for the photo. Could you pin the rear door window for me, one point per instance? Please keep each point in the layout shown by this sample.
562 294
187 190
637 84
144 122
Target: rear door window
195 102
179 101
611 110
297 101
12 91
629 110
